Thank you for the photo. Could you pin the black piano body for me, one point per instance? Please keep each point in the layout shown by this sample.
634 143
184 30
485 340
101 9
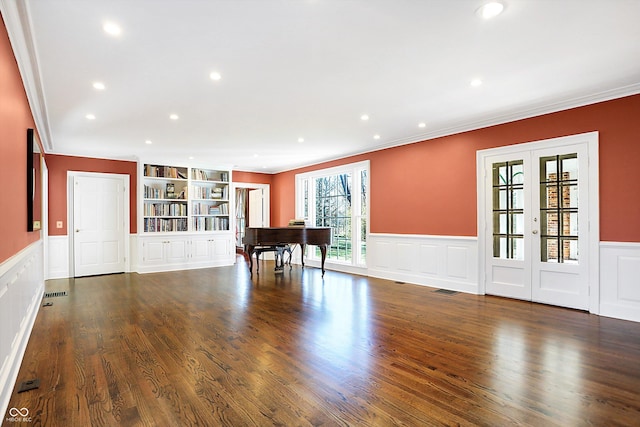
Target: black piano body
279 237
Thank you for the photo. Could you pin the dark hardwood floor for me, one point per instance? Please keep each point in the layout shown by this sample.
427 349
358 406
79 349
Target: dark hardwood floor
217 347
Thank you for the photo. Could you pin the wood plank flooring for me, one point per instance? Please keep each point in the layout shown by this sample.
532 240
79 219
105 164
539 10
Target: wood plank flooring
217 347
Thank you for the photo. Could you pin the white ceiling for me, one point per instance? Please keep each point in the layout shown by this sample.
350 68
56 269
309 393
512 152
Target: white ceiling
309 69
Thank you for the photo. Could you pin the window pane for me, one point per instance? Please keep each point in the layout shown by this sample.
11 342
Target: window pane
550 224
549 249
517 223
570 250
517 173
333 209
570 196
569 167
500 247
517 245
550 167
363 240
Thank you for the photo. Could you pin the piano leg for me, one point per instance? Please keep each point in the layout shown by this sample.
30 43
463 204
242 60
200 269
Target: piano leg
303 249
249 249
323 252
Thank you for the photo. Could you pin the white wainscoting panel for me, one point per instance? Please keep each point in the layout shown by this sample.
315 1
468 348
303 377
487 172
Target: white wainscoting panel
58 257
21 290
448 262
620 280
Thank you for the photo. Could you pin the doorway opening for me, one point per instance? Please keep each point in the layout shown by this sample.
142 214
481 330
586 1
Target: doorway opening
252 208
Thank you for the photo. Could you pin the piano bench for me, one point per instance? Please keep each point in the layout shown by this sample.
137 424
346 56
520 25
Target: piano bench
279 250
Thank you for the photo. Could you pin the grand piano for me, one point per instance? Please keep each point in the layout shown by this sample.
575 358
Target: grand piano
280 237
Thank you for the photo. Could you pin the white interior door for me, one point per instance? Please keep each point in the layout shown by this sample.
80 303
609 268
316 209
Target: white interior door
536 213
98 224
560 232
256 208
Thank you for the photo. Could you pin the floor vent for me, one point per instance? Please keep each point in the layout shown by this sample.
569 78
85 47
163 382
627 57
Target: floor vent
446 292
55 294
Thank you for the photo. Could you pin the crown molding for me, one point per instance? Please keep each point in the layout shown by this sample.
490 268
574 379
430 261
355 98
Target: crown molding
17 20
518 114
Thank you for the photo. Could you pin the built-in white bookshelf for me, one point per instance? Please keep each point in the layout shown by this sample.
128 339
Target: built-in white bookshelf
185 216
184 199
209 199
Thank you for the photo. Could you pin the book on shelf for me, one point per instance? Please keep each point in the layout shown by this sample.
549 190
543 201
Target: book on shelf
156 171
205 223
203 175
165 224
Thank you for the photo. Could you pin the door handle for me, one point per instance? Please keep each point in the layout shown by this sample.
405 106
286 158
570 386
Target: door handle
535 231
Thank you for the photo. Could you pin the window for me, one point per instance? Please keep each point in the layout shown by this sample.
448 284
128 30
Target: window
337 198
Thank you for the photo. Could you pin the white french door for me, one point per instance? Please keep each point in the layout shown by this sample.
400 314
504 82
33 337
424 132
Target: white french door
535 222
100 215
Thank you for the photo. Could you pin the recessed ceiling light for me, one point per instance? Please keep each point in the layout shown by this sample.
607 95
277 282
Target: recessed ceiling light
191 157
376 136
99 86
255 155
422 125
90 117
300 139
215 76
148 142
476 82
112 28
173 116
490 10
364 117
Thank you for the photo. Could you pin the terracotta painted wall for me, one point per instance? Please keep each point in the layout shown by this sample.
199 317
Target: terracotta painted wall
435 181
15 118
59 166
256 178
252 177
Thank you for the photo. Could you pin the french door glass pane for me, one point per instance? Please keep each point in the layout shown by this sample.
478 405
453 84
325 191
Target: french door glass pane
508 210
559 208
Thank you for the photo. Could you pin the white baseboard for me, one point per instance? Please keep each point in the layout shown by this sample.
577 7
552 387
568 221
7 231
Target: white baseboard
620 280
21 290
448 262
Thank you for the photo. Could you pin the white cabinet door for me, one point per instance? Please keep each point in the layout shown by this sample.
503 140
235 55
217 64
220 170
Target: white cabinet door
201 250
153 252
221 248
164 253
177 250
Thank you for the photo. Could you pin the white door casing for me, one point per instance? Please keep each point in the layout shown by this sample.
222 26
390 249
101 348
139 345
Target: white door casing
571 283
99 223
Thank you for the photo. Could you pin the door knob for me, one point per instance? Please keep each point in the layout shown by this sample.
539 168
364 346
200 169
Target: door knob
535 231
